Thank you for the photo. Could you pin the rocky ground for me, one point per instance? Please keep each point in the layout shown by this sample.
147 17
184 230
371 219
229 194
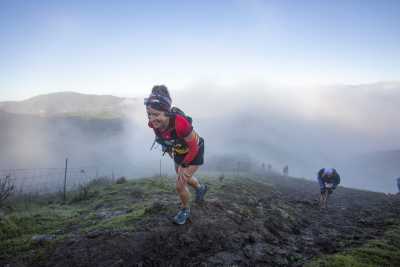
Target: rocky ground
247 221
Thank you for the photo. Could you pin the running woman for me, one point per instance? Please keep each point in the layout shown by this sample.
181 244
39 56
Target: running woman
174 131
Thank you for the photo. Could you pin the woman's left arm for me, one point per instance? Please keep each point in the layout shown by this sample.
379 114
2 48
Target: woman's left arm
192 141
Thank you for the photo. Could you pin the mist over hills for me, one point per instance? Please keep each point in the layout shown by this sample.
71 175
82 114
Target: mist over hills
258 124
89 129
69 104
30 141
376 169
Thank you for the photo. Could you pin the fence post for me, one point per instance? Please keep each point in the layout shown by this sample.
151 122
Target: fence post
160 167
65 179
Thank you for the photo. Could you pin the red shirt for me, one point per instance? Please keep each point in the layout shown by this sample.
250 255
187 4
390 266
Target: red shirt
181 125
178 129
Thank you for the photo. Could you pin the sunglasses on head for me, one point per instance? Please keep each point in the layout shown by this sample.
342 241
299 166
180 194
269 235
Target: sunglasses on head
151 100
157 99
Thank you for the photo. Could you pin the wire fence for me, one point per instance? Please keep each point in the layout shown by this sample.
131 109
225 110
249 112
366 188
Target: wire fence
49 180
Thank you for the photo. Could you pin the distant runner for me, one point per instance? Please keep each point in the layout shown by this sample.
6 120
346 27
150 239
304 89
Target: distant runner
398 184
174 131
285 171
328 179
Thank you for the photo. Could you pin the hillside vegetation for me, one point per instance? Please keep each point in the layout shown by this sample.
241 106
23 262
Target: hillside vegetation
245 221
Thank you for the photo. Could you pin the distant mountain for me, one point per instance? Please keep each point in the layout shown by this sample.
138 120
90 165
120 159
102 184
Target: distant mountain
71 104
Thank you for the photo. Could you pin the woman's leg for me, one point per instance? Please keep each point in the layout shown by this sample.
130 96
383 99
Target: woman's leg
193 182
323 199
185 176
184 195
181 189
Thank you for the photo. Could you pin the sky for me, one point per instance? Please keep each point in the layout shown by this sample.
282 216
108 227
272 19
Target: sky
124 47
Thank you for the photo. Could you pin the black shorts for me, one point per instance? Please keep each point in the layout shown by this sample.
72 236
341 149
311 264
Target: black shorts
198 160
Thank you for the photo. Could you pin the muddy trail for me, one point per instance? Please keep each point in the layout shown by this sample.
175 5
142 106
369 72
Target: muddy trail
257 221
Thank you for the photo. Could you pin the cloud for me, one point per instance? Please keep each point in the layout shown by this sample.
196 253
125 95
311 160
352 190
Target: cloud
280 125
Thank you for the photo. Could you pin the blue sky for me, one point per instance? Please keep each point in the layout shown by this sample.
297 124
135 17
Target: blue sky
124 47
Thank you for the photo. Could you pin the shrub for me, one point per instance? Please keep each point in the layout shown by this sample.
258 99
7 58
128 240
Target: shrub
121 180
6 188
101 181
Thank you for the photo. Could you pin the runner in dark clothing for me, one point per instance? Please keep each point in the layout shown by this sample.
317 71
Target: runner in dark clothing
328 179
175 133
398 184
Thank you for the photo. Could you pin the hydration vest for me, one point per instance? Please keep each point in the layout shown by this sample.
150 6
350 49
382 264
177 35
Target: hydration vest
174 144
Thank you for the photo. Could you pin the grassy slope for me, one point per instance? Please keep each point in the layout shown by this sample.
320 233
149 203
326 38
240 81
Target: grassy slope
382 252
112 206
82 213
